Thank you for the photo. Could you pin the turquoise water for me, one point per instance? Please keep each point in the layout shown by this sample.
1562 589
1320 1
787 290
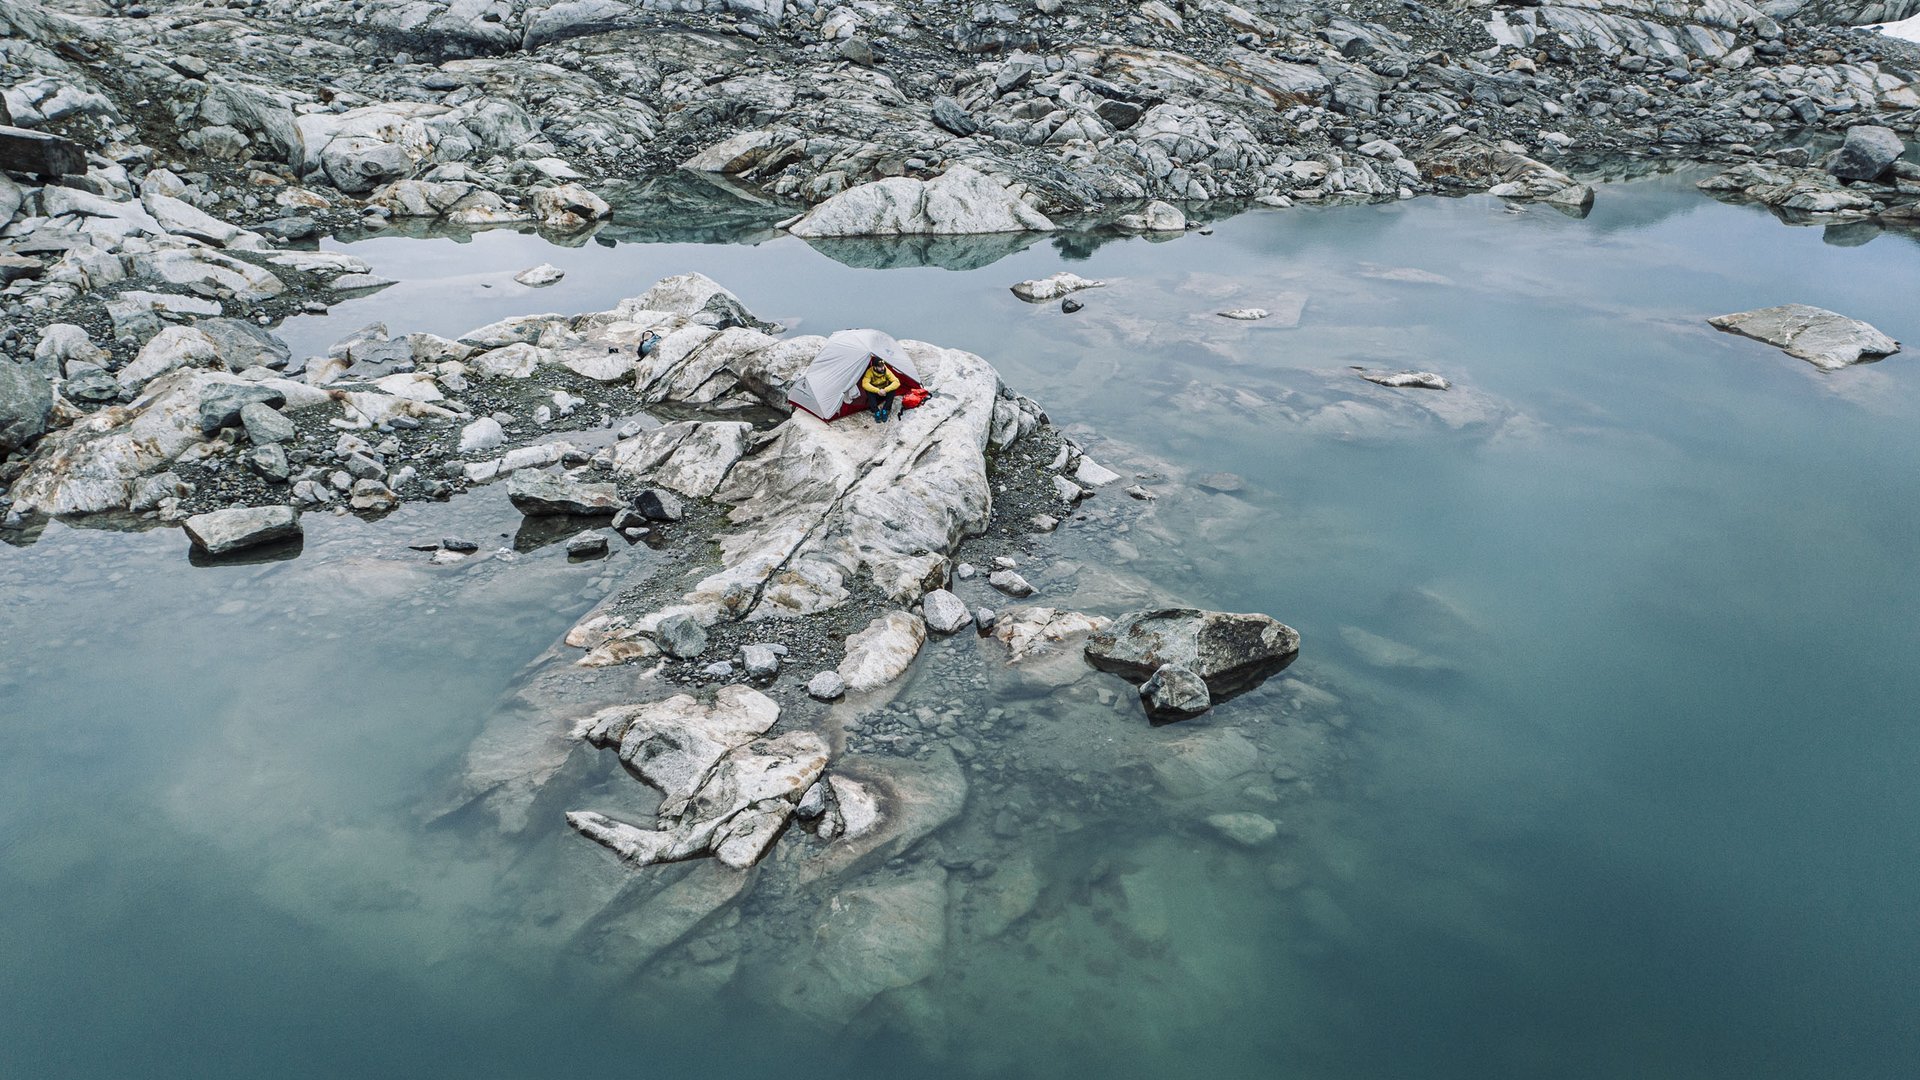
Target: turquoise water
1640 804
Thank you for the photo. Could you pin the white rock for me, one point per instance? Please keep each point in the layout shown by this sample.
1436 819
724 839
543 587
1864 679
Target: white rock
1827 340
883 651
1054 287
960 200
540 276
482 434
944 612
174 347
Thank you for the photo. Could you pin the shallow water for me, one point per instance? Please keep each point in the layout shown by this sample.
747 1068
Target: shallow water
1634 797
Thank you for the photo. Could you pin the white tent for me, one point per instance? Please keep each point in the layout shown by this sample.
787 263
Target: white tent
830 387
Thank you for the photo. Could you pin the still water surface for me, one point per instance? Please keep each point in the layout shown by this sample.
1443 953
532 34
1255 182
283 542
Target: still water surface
1637 797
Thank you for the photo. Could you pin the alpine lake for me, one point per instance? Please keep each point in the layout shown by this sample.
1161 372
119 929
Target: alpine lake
1599 759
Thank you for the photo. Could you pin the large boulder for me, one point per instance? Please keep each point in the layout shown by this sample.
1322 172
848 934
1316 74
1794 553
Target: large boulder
543 494
1867 152
221 531
26 401
1231 653
1825 339
960 200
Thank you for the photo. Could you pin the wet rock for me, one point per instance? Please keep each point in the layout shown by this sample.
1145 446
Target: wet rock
1230 652
1070 305
536 494
1422 380
569 207
1245 830
984 618
26 404
1249 314
1173 692
883 651
540 276
827 686
1869 150
681 636
1826 340
222 531
1010 583
1053 287
586 544
1224 483
1157 217
945 613
961 200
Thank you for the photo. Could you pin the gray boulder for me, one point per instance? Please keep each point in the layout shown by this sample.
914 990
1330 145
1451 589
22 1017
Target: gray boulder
220 406
944 612
1825 339
264 424
657 505
1231 653
221 531
1175 693
543 494
1867 152
26 403
827 686
760 660
681 636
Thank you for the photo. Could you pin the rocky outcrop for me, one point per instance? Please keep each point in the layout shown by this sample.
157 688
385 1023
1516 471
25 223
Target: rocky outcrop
724 790
26 402
1229 653
1827 340
960 200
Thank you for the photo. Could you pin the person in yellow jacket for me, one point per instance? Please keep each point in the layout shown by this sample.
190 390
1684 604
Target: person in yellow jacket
881 386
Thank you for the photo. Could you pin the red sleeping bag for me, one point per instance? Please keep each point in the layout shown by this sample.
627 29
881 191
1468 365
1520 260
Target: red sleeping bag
913 397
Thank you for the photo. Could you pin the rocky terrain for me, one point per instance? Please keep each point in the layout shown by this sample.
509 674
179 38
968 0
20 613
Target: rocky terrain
167 168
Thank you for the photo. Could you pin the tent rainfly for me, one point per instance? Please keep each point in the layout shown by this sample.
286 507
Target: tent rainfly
830 387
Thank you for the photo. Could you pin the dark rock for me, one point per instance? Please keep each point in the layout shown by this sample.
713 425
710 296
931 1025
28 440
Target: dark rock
1173 692
655 504
220 406
1866 153
288 228
1232 653
26 403
455 543
43 155
264 425
952 116
1119 115
858 50
1070 305
269 463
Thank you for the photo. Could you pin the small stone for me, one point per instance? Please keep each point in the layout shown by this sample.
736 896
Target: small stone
269 463
1070 305
719 669
1010 583
984 618
1045 523
1140 493
1004 562
1245 314
964 571
586 544
372 495
760 660
827 686
456 543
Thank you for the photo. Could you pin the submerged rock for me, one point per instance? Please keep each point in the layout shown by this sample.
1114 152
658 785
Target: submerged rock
222 531
1230 653
1827 340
